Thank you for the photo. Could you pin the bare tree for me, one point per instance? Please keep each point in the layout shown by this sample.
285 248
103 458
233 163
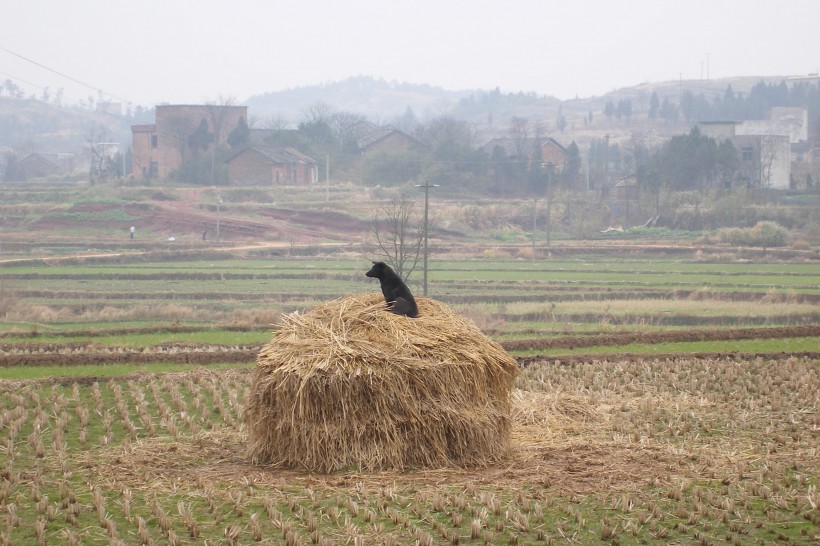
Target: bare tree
768 155
178 129
217 112
98 154
399 235
347 127
275 122
520 133
319 112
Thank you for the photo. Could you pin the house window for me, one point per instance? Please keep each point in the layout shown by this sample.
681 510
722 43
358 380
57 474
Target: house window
748 153
154 169
153 141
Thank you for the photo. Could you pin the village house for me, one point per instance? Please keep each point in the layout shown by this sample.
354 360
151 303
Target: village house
39 165
385 139
551 152
271 166
180 133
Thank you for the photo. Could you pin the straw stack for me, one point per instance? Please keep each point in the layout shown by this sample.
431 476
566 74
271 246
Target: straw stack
350 385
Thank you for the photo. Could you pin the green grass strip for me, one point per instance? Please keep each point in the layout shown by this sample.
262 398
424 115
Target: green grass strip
106 370
794 344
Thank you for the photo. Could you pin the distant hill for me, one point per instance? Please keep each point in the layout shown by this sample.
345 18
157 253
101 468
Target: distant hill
376 99
40 126
34 125
491 111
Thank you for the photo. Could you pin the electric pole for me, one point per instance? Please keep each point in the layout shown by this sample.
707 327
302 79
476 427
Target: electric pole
427 185
218 204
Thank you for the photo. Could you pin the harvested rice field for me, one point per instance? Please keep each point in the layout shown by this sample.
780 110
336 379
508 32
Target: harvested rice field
661 451
657 400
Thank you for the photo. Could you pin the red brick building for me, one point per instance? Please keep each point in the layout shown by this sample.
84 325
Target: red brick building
180 133
551 151
271 166
385 139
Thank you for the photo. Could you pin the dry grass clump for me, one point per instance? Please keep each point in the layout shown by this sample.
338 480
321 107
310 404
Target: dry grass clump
351 385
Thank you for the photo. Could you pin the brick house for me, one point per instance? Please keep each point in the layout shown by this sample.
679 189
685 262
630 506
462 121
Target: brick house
385 139
39 165
551 151
271 166
158 150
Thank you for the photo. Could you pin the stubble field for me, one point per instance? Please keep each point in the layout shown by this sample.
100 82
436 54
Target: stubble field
662 399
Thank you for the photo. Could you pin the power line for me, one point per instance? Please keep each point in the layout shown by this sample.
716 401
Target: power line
41 88
66 76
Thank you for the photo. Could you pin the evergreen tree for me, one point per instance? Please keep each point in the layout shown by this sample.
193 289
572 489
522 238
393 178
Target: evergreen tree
609 110
654 106
240 136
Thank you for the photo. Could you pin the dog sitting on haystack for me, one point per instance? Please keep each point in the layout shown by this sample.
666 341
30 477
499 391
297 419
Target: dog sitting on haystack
398 297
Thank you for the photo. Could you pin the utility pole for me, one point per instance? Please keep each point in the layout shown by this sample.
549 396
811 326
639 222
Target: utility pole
707 65
549 166
427 185
534 213
218 203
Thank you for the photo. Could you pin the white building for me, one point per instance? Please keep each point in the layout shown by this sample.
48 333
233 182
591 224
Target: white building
764 146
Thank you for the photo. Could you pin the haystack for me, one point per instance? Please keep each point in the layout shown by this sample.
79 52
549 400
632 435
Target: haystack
350 385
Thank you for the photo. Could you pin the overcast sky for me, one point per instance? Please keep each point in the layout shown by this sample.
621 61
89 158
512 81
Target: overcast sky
184 51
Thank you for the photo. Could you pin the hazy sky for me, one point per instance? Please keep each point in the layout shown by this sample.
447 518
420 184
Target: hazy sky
184 51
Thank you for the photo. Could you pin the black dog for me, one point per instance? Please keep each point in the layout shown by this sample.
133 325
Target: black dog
398 296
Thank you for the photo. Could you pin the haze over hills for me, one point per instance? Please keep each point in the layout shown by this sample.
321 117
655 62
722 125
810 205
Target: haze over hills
36 125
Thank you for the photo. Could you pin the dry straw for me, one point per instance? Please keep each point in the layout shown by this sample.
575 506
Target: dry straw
350 385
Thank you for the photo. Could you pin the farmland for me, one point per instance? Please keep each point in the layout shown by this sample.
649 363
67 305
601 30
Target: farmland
667 394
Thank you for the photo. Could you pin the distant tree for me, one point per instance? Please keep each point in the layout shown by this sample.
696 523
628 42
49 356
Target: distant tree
502 170
727 162
97 150
689 161
240 136
537 175
654 106
408 121
201 138
218 113
520 133
561 123
669 111
13 173
652 182
768 155
572 172
687 105
589 117
348 128
609 110
399 235
447 137
315 124
624 109
12 89
275 122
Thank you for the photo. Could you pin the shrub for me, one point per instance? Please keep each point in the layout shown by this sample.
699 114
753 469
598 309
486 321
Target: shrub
765 234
